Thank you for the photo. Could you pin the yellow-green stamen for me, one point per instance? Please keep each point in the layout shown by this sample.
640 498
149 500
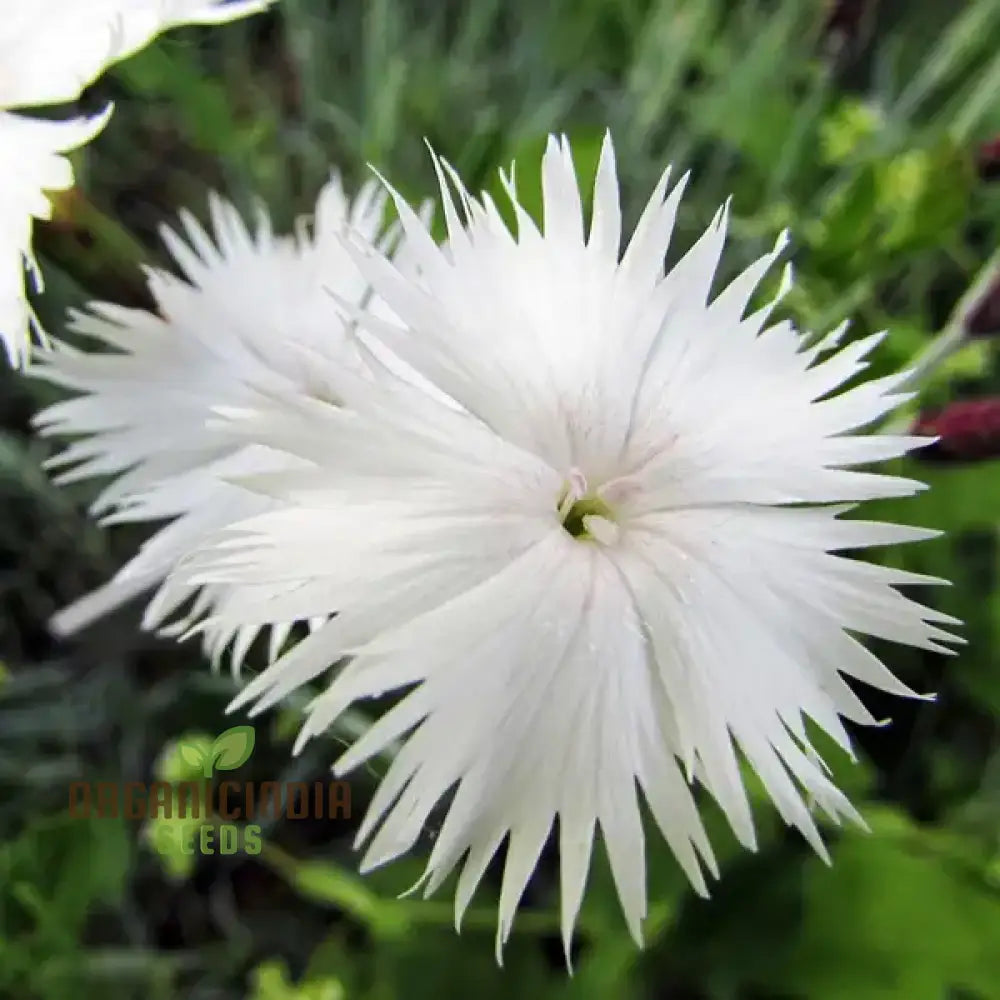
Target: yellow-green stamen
587 506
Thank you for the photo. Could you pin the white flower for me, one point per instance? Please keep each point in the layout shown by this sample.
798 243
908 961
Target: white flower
609 565
49 51
228 331
31 164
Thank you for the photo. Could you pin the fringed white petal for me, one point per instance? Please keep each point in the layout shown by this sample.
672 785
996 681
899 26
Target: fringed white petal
249 321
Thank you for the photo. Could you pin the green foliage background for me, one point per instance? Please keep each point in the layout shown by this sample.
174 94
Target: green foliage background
864 145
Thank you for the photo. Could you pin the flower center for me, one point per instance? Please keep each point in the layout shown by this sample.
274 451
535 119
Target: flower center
587 506
584 513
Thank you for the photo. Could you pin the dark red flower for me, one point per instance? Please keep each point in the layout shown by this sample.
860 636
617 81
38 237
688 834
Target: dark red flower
968 431
988 160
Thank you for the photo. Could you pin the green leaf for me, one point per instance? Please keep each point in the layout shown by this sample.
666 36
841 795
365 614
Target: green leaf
847 128
749 105
847 219
271 982
233 747
958 497
201 105
923 196
59 867
901 913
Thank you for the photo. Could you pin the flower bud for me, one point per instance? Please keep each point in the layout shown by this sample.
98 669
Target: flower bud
967 431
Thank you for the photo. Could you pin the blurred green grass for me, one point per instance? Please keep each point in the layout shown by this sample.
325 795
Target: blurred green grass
861 138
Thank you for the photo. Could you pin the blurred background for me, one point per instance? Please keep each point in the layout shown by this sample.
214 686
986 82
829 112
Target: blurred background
872 130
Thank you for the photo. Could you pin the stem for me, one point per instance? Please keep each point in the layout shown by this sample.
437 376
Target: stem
348 892
940 349
951 339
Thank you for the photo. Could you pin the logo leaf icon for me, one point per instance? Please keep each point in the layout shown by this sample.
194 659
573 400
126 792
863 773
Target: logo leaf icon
193 755
233 747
